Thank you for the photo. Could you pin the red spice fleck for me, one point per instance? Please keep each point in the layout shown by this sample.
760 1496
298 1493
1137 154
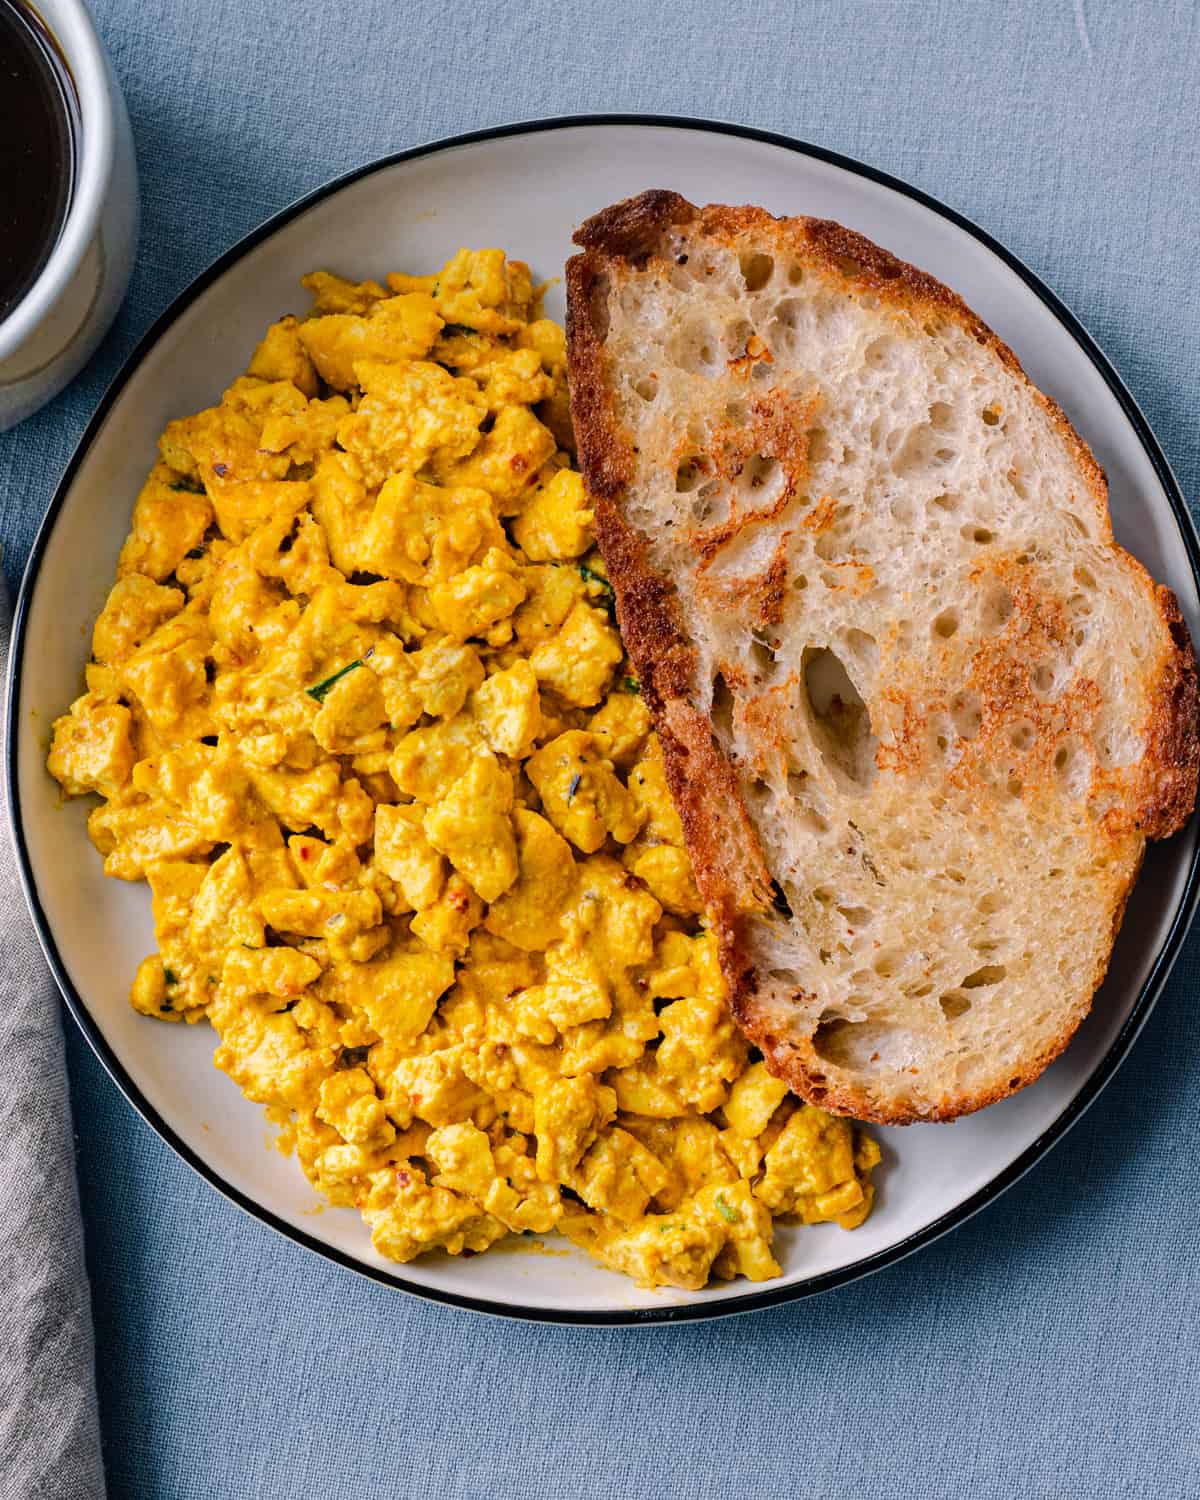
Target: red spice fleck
403 1178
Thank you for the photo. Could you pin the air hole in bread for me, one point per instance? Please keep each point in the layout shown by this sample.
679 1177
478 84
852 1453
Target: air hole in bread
967 712
1072 766
757 269
954 1004
808 818
1015 787
864 650
1022 735
985 977
786 977
1045 679
787 314
1078 606
722 708
646 388
841 723
880 353
946 502
738 334
795 274
855 1044
941 417
711 506
760 472
1117 748
991 902
1078 523
980 535
856 917
762 656
943 741
997 609
687 476
819 446
737 413
1085 578
888 963
694 349
756 794
946 624
991 416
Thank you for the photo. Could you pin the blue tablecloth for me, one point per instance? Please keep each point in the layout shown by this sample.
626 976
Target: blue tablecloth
1048 1348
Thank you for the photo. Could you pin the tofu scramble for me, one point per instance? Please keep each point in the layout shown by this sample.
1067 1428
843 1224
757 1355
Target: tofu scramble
359 714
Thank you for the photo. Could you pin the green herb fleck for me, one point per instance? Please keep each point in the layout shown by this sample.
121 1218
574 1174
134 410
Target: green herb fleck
456 330
629 685
574 786
184 485
170 976
663 1228
353 1057
166 1005
607 597
194 553
730 1215
319 689
212 979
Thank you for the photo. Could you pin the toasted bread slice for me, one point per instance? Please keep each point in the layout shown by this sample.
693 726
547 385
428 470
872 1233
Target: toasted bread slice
919 711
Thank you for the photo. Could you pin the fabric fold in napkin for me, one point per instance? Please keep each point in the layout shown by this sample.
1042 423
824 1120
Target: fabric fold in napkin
49 1432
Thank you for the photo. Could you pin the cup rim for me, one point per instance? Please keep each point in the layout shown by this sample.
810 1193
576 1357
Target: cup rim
71 26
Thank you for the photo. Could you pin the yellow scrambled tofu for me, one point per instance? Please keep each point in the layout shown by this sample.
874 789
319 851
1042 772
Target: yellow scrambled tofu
359 714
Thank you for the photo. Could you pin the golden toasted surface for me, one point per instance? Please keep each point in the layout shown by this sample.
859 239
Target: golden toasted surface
919 711
359 714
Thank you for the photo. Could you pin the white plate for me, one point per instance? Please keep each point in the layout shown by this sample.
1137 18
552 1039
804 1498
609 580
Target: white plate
526 189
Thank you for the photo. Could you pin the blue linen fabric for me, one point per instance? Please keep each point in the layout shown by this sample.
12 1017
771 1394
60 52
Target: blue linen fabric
1046 1349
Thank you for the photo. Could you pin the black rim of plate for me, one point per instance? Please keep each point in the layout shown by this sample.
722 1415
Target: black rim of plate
632 1316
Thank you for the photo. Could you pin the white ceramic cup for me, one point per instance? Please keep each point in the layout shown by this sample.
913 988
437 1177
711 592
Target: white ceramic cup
48 335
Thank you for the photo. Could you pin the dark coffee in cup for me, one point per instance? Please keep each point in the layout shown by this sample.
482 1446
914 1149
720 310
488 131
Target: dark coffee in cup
37 148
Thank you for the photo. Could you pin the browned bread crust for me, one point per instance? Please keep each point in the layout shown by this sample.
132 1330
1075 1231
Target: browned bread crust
641 238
